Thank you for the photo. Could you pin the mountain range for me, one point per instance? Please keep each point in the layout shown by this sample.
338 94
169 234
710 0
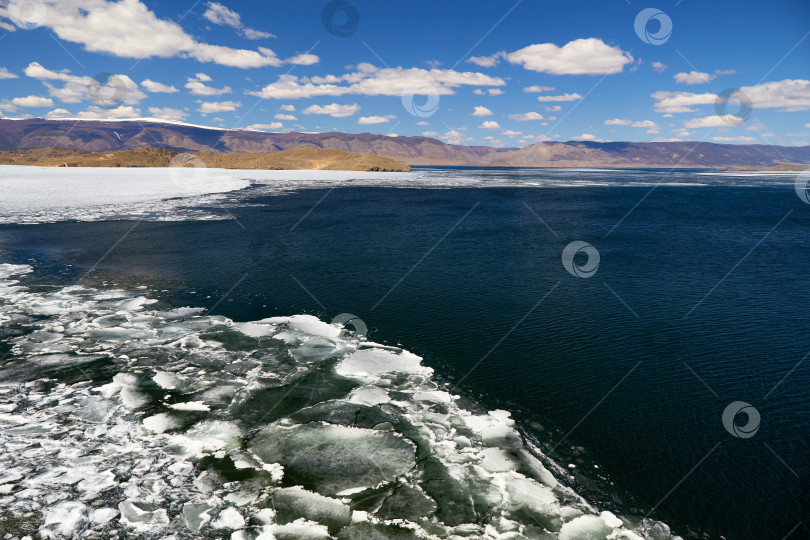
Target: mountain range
114 135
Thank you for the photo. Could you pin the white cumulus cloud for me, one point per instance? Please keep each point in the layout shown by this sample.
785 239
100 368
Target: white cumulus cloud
537 89
590 56
678 102
305 59
789 95
334 110
490 91
714 121
76 87
649 124
98 113
526 117
196 85
223 106
369 80
129 29
484 61
375 119
694 77
481 111
618 122
219 14
156 87
35 70
32 101
562 97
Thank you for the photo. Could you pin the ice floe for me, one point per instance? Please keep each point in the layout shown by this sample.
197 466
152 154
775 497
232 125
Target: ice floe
47 194
162 424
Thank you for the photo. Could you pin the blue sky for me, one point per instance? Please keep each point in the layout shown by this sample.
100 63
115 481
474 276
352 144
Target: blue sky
490 73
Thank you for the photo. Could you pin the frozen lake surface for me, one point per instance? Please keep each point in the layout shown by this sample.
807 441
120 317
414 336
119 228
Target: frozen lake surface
47 194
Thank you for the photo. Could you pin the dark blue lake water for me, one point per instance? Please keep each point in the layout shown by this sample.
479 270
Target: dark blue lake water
700 300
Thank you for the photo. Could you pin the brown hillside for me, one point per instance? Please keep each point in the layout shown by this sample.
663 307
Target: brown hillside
297 159
111 136
326 159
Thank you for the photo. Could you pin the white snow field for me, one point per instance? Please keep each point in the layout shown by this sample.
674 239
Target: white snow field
51 194
47 194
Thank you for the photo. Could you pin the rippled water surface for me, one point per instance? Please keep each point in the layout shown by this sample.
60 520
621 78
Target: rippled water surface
168 367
